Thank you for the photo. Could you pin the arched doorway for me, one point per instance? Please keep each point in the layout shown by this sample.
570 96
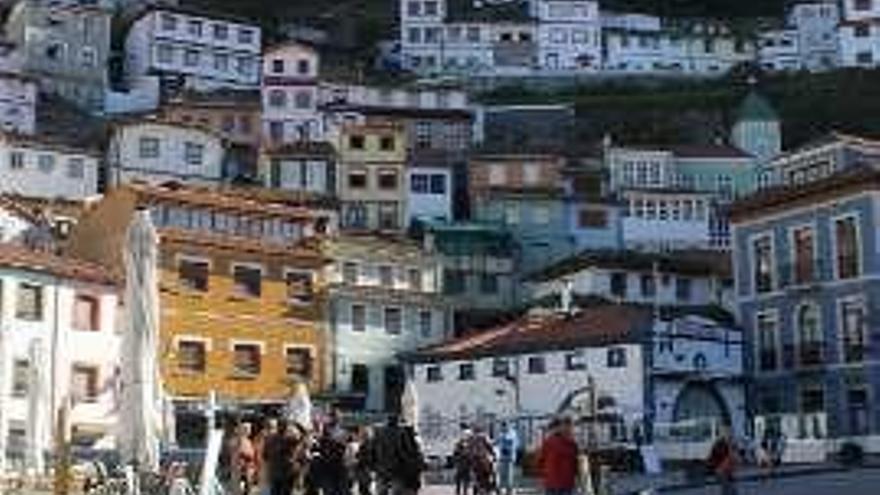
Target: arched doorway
700 402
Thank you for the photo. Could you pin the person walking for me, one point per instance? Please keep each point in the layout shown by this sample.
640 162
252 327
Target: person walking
461 461
332 475
558 459
243 460
508 450
399 461
270 429
722 461
364 461
482 458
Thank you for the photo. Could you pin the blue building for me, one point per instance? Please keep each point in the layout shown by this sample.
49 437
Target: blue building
807 281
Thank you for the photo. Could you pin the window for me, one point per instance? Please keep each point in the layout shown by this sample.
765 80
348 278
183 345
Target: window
616 357
863 4
356 142
846 234
497 175
488 283
541 215
853 329
858 411
360 378
350 272
500 368
809 335
419 183
191 58
84 386
358 318
426 323
537 365
299 363
531 174
357 179
245 36
191 356
423 135
473 33
414 277
302 99
244 65
221 62
804 255
414 8
466 372
386 143
762 264
648 285
278 66
169 22
386 276
438 184
195 28
618 284
21 371
148 147
247 360
76 168
393 320
593 219
575 361
864 58
247 280
300 287
415 35
454 281
388 179
431 7
29 305
46 163
434 374
193 275
85 313
768 341
862 31
221 31
165 54
812 399
16 160
388 218
276 130
277 98
193 153
683 289
303 67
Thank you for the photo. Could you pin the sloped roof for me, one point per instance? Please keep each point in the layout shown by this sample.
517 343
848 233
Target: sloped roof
692 262
756 108
708 151
595 326
833 137
21 258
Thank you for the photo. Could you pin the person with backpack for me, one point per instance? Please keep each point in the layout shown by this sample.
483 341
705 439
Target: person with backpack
722 461
461 462
508 449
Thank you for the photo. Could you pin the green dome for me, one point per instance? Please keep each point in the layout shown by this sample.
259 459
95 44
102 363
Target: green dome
756 108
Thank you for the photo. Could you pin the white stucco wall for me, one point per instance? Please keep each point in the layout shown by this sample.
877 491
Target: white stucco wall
428 205
18 100
48 171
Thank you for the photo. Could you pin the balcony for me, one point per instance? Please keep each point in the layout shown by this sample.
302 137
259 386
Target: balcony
853 353
768 360
811 354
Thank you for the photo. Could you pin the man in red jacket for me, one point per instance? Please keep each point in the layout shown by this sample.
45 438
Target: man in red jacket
558 459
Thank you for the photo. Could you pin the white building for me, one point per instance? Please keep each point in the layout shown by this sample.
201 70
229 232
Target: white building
189 49
68 308
569 35
816 23
18 103
644 374
859 33
158 152
686 278
429 193
290 94
779 50
37 166
385 299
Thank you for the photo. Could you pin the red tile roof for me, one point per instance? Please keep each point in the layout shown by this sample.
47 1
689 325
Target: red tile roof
20 258
594 326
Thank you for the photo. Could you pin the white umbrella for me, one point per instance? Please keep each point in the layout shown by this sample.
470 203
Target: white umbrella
38 420
141 410
299 409
409 405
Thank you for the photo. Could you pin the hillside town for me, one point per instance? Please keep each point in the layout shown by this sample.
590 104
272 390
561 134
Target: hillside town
207 229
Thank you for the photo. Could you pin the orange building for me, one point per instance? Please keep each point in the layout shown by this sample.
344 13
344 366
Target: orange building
242 294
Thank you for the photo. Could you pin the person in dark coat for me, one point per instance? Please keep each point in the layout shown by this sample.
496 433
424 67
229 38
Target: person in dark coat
558 460
399 459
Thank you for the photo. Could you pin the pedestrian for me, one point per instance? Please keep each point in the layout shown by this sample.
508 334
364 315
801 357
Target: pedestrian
399 461
558 459
461 461
243 460
270 429
364 461
482 458
332 474
508 450
722 461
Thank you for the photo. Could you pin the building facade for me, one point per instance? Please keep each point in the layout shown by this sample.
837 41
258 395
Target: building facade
190 49
304 167
41 167
386 298
818 159
805 267
859 33
18 104
242 293
66 47
290 95
62 312
157 152
569 35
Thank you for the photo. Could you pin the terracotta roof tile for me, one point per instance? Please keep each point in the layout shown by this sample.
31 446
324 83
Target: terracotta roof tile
695 263
61 266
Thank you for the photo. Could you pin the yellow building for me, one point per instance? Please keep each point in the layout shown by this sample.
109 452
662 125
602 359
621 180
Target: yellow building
372 161
242 296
